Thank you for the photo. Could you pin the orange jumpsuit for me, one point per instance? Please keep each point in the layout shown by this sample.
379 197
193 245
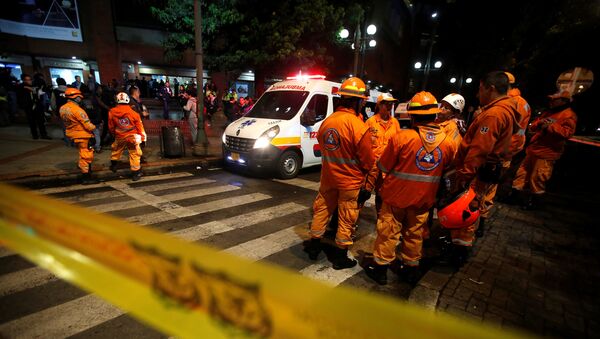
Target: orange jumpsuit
78 128
547 145
487 141
518 139
347 157
381 132
414 162
126 125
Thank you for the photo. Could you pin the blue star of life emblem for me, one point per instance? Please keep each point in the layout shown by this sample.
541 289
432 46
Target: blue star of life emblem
247 123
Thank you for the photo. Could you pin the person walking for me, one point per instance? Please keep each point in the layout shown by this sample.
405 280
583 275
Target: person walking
414 161
166 93
481 154
347 157
126 125
81 131
552 130
30 102
191 107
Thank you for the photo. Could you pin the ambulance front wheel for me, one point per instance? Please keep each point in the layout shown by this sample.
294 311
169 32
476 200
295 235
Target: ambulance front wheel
289 165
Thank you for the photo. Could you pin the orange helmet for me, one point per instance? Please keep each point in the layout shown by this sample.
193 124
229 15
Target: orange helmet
353 87
511 78
72 93
457 213
423 103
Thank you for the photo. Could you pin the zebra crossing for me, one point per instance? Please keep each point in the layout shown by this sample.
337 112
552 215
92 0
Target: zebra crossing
258 219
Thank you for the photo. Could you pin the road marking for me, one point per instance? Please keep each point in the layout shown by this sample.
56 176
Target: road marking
24 279
206 230
310 185
92 196
63 320
271 243
323 271
158 217
176 184
103 184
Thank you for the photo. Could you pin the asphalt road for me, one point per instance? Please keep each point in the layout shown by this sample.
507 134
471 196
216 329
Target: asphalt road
262 219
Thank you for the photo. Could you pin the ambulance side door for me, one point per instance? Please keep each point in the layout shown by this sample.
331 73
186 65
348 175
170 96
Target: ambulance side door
311 118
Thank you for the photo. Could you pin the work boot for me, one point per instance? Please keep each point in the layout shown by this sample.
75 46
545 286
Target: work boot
377 272
113 165
481 228
460 255
86 179
136 175
410 274
341 260
313 248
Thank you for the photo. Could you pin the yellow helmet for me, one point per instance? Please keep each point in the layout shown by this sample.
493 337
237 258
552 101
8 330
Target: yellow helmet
423 103
353 87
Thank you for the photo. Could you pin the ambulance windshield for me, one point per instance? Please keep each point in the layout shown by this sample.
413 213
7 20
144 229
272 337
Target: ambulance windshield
280 105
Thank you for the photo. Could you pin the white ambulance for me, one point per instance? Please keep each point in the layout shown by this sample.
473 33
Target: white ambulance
280 131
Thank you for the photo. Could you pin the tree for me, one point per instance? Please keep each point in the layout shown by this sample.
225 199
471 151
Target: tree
242 34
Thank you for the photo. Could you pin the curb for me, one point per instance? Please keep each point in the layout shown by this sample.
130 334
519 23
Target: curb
54 178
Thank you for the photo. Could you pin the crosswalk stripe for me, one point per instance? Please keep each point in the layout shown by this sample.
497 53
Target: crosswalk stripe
206 230
311 185
92 196
264 246
103 184
177 184
161 216
165 203
323 271
62 320
24 279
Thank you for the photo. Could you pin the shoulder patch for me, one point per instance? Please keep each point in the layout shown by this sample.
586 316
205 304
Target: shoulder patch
484 129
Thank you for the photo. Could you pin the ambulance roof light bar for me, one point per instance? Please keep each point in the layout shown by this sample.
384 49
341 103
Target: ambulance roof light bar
301 76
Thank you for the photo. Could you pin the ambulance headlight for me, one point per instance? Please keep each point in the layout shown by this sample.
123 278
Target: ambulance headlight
265 139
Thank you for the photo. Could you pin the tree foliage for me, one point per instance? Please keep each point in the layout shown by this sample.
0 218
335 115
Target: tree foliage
238 34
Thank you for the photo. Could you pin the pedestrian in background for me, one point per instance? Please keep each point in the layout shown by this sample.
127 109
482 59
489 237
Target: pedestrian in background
80 130
166 94
345 143
552 130
77 82
29 101
414 161
125 124
93 113
191 107
136 105
481 154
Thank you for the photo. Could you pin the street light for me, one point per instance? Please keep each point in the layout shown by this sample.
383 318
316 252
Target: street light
452 80
432 37
360 42
438 64
418 65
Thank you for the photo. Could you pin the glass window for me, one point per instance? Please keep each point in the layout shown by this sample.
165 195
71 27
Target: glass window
66 73
281 105
315 111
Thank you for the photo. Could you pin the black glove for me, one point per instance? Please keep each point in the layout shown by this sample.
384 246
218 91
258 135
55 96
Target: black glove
363 196
91 142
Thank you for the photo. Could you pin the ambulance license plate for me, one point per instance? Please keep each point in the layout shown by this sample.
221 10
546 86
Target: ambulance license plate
235 156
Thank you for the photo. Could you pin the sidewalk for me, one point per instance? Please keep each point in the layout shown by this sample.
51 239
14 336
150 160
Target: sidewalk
25 160
533 270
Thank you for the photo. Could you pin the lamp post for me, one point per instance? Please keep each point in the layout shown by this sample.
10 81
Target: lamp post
362 40
426 68
461 80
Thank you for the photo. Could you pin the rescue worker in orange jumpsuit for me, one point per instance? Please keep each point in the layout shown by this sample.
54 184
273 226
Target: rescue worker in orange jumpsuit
79 129
126 126
347 157
552 130
482 152
382 127
414 161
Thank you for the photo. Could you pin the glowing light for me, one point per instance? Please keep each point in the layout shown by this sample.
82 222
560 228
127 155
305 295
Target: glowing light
301 76
469 80
344 33
372 29
438 64
452 80
418 65
372 43
139 62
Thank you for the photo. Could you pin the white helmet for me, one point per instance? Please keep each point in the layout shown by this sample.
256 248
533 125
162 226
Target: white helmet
122 98
455 100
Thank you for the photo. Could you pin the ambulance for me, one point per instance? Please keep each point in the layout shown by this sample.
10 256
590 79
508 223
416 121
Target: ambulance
280 132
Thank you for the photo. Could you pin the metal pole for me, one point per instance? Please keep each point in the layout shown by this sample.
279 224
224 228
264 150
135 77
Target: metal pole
357 44
428 63
201 138
363 46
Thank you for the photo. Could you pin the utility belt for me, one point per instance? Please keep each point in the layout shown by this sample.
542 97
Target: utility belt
490 173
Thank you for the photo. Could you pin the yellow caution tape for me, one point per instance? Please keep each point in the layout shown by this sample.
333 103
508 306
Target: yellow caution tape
191 291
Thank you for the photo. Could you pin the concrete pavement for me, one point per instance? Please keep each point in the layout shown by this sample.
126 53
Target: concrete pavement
25 160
